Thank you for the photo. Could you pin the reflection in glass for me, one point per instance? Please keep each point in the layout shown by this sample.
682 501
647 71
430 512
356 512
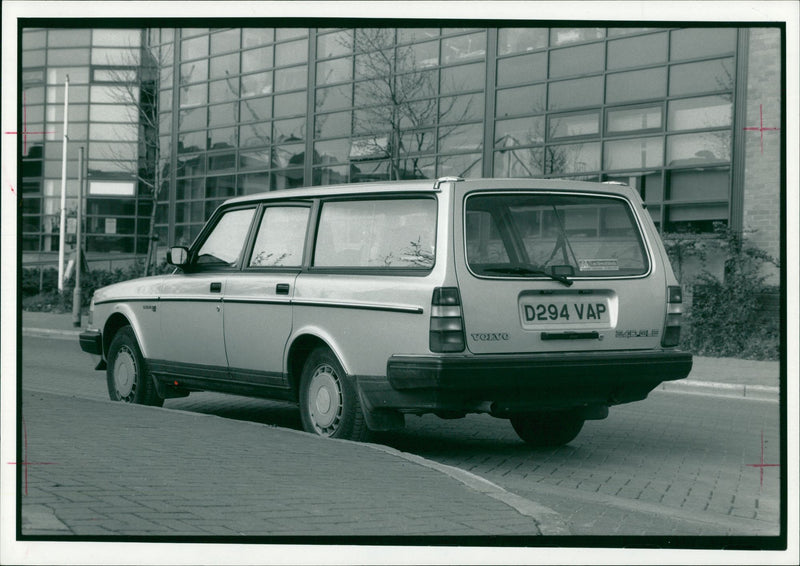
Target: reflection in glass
574 125
258 109
699 184
636 85
463 77
252 37
290 79
221 137
291 53
517 40
527 162
563 36
224 66
333 44
289 105
522 100
701 77
580 60
334 71
467 166
525 68
334 97
629 120
257 59
224 90
694 43
697 113
451 109
332 151
464 47
255 134
573 158
634 154
706 147
254 159
637 51
519 131
290 130
464 137
224 41
330 125
576 93
254 85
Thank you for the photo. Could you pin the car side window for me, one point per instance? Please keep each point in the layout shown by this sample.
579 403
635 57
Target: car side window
281 237
223 246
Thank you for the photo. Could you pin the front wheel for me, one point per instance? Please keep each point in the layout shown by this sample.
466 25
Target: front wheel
127 375
329 404
547 429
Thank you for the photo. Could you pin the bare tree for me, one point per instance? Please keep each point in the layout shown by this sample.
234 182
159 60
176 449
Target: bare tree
135 82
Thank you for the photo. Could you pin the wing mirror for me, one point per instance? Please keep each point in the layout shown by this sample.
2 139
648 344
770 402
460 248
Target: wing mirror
178 256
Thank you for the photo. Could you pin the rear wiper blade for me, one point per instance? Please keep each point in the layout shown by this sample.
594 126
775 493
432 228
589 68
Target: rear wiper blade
519 270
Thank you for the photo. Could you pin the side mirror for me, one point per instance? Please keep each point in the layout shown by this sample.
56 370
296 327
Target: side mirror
178 256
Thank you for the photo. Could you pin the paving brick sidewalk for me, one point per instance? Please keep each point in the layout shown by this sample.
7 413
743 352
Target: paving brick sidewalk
102 468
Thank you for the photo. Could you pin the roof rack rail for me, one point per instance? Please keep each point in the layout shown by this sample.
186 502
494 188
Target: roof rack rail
440 180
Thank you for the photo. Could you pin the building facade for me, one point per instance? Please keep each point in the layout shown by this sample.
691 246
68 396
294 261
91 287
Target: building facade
685 115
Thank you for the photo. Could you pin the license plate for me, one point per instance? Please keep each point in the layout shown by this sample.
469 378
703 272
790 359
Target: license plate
564 312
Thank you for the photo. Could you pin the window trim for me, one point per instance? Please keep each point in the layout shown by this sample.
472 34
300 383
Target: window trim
253 236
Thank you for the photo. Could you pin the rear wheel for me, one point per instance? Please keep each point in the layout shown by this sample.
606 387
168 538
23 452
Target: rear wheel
127 375
329 404
547 429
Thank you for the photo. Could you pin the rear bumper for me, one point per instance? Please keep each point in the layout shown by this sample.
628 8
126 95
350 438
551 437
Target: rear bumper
527 382
91 341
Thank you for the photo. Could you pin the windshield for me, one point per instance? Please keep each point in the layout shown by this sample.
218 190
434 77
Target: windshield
538 234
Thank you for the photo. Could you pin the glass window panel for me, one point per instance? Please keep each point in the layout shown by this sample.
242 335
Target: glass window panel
68 37
335 71
583 59
701 77
192 118
649 185
636 85
252 37
517 40
290 79
255 159
34 95
35 114
694 217
634 154
222 162
36 77
416 35
221 137
333 44
112 113
222 114
693 43
528 162
563 36
194 48
330 125
224 244
464 47
452 109
113 151
573 158
698 113
257 59
77 113
290 130
467 137
412 57
257 84
36 58
574 125
112 75
522 69
190 165
370 65
224 41
117 37
70 57
224 90
76 94
519 131
384 234
637 51
706 147
575 93
331 175
281 237
699 184
115 57
289 105
523 100
463 77
193 95
332 151
165 77
77 75
224 66
33 39
257 109
114 132
191 142
617 32
334 97
289 156
421 141
467 166
289 33
219 188
291 53
631 120
112 94
253 183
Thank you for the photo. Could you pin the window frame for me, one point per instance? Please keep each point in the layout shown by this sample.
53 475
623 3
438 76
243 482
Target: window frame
256 228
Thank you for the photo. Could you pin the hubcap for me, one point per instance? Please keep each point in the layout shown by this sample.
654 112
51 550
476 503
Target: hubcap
325 400
125 373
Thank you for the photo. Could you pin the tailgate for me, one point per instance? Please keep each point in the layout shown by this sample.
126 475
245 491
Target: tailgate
555 270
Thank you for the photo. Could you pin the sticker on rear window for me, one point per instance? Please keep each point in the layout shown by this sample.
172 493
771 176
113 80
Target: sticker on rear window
598 265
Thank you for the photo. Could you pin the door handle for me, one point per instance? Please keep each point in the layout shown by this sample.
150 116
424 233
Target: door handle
282 289
216 287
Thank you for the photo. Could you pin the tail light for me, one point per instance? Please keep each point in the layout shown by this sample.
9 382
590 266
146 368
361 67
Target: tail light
447 324
672 326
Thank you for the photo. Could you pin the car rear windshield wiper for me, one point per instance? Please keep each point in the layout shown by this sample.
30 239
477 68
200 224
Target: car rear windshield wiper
523 271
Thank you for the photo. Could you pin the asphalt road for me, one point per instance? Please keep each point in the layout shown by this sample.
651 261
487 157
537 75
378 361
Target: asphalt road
674 464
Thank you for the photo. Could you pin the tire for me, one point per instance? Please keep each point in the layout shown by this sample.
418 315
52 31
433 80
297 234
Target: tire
547 429
127 376
329 404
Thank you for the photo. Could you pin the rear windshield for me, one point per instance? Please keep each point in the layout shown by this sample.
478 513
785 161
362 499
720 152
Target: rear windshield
530 234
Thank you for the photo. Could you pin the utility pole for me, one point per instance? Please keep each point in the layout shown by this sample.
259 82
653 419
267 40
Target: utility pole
76 294
63 224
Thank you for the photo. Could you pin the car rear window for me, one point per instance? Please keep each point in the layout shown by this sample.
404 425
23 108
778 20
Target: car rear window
377 233
525 234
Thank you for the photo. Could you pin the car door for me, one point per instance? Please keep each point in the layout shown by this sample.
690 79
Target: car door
191 303
258 300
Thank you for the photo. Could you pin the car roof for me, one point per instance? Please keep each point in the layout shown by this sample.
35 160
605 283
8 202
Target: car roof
431 185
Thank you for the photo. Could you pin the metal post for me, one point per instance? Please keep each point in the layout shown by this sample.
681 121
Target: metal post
76 294
63 226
